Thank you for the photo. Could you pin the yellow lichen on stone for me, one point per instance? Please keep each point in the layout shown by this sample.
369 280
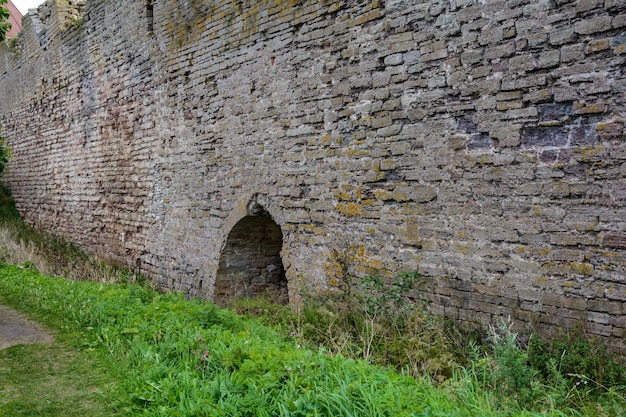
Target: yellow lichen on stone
582 268
383 195
399 195
311 228
350 209
464 249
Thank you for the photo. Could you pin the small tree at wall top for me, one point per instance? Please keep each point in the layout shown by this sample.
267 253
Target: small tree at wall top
4 20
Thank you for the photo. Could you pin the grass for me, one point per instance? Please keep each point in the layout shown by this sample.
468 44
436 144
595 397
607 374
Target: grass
125 350
187 358
166 356
54 380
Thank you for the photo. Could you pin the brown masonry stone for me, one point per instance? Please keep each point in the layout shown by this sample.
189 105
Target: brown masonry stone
236 147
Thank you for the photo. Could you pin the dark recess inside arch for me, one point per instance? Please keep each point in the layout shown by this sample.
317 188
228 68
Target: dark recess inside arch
250 264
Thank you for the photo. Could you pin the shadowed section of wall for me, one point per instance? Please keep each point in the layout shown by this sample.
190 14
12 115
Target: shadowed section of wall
480 144
250 264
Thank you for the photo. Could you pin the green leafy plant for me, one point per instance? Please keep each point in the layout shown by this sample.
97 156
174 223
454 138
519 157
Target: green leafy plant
77 22
5 152
5 25
583 362
543 373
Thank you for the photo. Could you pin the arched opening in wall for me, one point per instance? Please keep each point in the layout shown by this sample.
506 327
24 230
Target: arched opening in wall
250 264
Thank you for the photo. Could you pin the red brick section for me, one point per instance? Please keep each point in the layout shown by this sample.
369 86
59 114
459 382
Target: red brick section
15 17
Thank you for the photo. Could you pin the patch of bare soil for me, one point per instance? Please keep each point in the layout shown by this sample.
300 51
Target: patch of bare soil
15 329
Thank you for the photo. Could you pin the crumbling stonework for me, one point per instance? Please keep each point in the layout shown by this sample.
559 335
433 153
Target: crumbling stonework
479 143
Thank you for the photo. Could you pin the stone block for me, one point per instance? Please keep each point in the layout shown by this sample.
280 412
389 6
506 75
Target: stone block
471 56
417 193
583 135
573 53
619 21
509 105
604 306
539 96
522 63
533 137
555 112
610 130
562 36
523 113
549 59
412 57
539 6
382 119
593 25
479 141
597 45
586 5
599 329
614 240
562 94
499 50
589 108
394 59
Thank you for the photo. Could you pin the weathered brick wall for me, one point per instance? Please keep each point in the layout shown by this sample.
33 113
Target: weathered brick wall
479 143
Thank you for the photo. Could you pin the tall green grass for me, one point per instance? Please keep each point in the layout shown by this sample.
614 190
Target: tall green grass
379 322
190 358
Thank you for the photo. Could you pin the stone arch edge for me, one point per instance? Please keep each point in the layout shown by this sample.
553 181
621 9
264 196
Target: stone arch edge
247 205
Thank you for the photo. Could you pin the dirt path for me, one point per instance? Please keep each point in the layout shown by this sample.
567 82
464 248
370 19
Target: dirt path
15 329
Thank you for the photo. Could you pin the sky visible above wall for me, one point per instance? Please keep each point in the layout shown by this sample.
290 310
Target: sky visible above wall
24 5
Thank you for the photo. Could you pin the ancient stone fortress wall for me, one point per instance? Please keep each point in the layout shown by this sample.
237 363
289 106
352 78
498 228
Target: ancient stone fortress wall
225 148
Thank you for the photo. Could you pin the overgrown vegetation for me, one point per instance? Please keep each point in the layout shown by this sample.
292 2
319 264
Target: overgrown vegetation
385 325
189 358
166 356
5 25
5 153
369 320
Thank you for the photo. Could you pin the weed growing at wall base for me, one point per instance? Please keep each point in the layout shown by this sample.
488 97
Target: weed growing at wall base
385 325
